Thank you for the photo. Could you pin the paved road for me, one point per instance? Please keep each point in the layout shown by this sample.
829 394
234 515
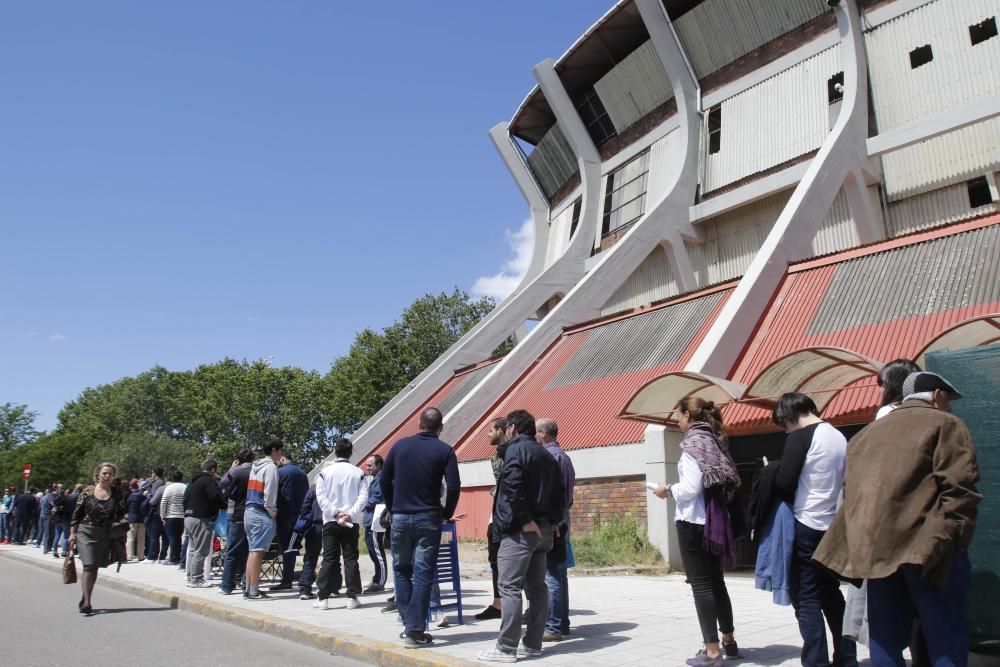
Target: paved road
41 626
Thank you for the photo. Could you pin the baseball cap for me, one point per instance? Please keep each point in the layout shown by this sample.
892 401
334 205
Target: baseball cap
924 381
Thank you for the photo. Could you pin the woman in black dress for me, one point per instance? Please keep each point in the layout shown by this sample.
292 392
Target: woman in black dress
90 529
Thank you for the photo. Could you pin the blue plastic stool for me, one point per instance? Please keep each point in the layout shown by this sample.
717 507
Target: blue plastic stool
447 570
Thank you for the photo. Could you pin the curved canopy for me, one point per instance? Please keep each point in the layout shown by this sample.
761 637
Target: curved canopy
983 330
821 372
655 402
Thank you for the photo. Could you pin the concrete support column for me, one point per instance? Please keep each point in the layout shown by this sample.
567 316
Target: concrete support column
866 220
844 152
537 204
662 454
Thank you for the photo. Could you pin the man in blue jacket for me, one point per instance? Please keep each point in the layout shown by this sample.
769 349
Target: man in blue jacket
411 486
375 541
293 485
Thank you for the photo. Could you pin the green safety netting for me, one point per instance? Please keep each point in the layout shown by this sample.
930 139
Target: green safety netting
976 373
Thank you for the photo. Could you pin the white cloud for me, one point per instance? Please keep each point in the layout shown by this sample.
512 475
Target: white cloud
499 285
57 338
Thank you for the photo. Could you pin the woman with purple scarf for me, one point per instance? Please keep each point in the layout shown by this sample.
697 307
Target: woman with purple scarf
707 478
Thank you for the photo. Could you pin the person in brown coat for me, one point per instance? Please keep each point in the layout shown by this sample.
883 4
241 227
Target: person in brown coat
907 520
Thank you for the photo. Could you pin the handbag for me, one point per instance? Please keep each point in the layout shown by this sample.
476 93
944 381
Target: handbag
69 569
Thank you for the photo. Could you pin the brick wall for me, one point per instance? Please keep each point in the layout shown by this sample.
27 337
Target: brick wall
608 496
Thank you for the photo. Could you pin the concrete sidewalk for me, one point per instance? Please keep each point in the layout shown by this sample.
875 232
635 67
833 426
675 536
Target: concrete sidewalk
617 620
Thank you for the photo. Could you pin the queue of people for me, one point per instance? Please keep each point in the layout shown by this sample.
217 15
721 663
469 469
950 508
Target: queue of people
893 513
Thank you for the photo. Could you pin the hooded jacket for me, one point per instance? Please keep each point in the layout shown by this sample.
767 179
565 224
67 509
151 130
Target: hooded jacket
909 496
202 497
262 489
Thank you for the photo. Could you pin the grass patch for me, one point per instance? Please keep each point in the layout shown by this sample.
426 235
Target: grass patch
618 540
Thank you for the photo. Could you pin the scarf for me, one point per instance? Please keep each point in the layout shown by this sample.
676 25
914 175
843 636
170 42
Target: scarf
720 479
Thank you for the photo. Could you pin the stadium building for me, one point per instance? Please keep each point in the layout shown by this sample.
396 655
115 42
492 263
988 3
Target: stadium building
733 199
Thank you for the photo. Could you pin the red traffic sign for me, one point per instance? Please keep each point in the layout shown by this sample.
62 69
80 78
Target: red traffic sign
27 471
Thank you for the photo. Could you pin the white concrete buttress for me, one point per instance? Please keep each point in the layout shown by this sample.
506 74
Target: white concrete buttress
666 221
843 153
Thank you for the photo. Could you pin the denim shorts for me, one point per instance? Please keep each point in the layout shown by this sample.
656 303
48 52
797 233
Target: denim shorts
259 527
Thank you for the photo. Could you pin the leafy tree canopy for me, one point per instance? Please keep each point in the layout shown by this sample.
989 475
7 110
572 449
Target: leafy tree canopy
17 426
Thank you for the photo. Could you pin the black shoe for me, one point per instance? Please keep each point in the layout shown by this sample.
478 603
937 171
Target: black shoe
373 588
280 587
416 639
389 606
488 613
307 596
731 649
258 596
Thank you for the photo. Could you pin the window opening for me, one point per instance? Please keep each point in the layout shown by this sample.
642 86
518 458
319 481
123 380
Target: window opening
715 129
979 192
625 194
921 56
835 88
576 217
980 32
595 118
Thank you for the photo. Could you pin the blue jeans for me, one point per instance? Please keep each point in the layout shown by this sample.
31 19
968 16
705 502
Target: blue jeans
234 563
43 531
174 528
893 603
60 536
155 538
815 593
558 583
415 542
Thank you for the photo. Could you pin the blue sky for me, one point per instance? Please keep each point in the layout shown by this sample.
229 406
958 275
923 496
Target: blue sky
181 182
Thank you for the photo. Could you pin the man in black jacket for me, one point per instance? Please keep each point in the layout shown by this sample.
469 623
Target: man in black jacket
202 502
527 508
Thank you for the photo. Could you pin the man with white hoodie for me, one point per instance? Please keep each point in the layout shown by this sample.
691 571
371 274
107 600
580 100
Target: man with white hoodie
342 493
261 510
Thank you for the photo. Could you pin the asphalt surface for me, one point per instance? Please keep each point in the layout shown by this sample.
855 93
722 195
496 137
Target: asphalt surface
41 626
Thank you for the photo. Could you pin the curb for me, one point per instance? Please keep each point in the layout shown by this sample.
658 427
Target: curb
372 651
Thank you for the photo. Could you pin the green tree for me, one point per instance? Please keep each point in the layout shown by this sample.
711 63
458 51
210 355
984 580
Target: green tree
53 458
17 426
135 455
380 364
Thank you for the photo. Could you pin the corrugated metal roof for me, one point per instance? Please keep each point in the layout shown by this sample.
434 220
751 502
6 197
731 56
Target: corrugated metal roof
445 398
587 376
717 32
884 304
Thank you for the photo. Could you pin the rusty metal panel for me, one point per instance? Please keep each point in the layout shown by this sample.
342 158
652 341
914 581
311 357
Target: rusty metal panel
733 239
914 281
959 74
777 120
586 378
553 161
933 209
652 281
717 32
636 86
634 343
884 305
466 383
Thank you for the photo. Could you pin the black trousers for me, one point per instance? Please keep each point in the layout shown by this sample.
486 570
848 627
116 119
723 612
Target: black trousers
336 540
704 573
492 548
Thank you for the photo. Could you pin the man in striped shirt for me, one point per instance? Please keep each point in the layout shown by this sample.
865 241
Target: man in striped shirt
261 510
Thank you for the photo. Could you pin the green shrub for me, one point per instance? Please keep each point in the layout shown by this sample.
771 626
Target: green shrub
616 541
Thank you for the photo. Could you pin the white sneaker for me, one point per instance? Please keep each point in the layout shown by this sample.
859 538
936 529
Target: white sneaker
496 655
352 603
199 584
321 604
528 652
